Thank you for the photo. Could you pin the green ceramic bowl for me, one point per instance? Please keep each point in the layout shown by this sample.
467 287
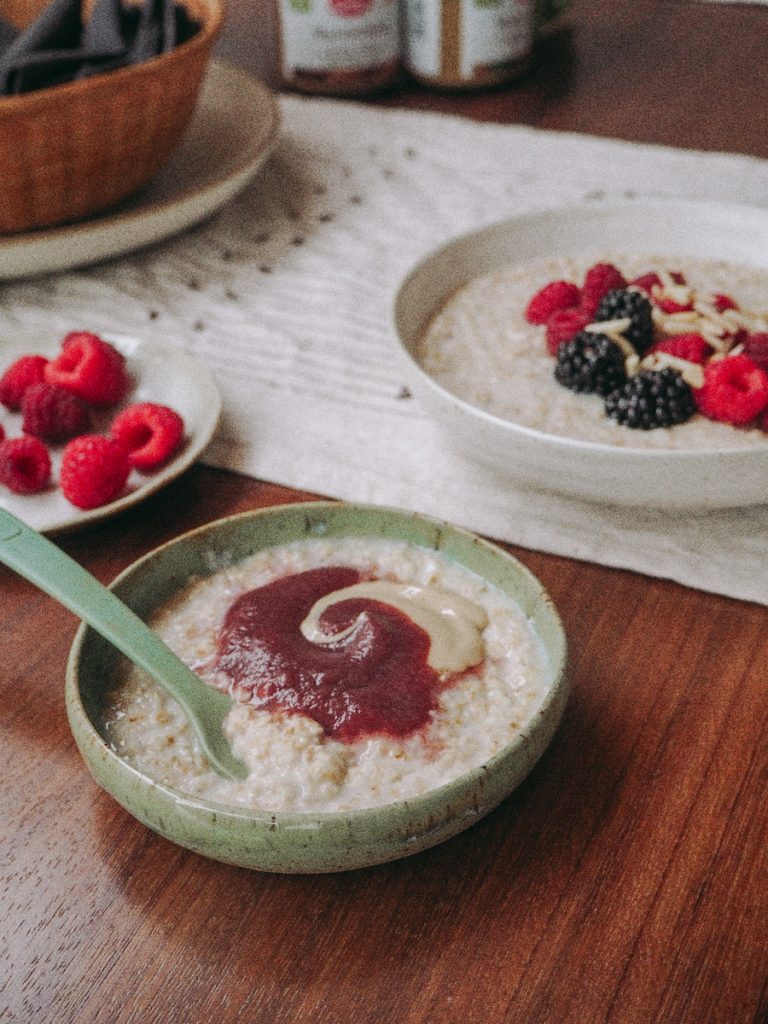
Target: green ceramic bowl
302 842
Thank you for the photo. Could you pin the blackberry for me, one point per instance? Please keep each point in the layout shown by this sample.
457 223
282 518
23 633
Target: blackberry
590 362
652 398
623 302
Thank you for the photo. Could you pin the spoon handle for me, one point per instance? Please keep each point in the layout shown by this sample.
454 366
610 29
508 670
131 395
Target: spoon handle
38 560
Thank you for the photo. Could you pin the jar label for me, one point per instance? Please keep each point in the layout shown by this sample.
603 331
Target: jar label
423 34
494 32
338 35
468 40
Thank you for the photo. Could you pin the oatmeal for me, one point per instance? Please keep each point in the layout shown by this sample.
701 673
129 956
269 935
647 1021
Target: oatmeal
481 348
295 762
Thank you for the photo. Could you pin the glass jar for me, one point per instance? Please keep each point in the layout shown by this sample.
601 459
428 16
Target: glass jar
468 44
338 47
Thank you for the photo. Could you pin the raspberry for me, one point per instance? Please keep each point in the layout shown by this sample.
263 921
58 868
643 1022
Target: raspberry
94 470
149 432
599 280
651 399
735 390
590 363
624 303
723 302
691 347
552 297
563 325
669 306
53 414
90 367
25 465
647 282
756 347
26 370
652 280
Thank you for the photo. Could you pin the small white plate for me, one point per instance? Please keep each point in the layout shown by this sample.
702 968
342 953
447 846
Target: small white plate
232 132
160 373
703 478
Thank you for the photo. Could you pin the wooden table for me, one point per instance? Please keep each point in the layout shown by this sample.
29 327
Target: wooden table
625 881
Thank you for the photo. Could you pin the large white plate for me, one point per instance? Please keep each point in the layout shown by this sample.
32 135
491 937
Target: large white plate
160 373
232 132
686 479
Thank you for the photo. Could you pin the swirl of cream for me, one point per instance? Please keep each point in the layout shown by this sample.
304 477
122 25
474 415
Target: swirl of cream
455 624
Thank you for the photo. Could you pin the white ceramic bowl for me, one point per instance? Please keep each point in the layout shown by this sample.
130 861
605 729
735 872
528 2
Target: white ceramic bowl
688 479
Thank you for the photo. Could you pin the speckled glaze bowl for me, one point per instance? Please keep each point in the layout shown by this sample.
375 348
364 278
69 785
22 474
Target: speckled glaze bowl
300 842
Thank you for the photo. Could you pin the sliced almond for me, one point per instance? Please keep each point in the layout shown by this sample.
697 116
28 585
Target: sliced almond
627 348
718 342
632 365
711 315
606 326
613 329
681 293
667 281
685 316
692 373
680 323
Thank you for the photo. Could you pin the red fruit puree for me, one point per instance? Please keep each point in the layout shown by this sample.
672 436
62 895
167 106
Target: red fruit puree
373 680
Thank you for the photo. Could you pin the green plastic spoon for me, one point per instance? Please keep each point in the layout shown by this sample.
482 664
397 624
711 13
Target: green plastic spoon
41 562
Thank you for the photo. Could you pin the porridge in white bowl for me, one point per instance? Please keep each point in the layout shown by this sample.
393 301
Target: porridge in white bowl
481 348
336 752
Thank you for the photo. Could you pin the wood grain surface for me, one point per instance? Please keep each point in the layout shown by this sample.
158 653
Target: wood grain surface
626 881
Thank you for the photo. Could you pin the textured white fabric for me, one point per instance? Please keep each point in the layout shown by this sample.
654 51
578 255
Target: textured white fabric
287 292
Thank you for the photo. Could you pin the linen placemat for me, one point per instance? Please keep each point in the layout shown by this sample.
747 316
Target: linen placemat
287 294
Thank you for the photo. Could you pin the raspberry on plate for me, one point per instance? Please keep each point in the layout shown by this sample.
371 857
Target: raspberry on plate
53 414
21 374
692 347
735 390
25 465
548 300
90 367
563 325
94 470
149 432
599 280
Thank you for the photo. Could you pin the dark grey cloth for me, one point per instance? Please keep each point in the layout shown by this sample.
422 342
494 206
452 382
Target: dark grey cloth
57 47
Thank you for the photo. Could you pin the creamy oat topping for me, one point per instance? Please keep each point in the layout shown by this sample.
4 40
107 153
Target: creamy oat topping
454 624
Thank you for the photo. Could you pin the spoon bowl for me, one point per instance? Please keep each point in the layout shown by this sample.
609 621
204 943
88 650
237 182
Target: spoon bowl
40 561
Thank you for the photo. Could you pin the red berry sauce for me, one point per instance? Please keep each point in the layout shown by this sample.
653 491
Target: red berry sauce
374 680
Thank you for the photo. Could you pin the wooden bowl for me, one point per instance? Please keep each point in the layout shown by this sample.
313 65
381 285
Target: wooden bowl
73 150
